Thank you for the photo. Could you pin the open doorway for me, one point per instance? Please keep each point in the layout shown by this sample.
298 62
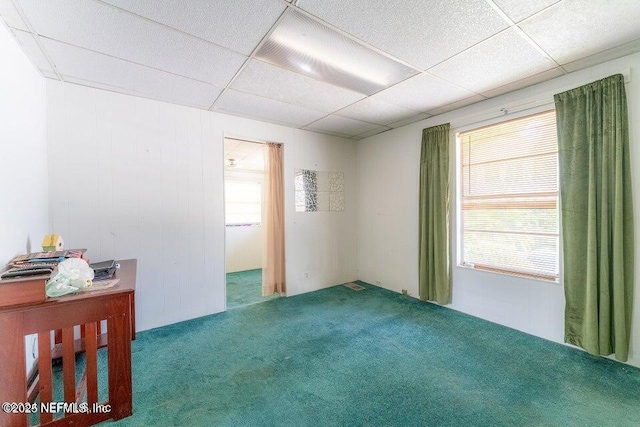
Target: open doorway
246 231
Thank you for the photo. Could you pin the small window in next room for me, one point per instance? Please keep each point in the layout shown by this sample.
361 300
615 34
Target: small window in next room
508 207
243 202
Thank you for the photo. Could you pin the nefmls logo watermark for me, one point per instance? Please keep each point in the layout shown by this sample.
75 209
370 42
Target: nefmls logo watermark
75 408
55 407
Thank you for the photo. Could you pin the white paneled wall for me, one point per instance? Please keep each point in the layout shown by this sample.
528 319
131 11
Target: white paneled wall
388 179
23 152
23 158
136 178
243 248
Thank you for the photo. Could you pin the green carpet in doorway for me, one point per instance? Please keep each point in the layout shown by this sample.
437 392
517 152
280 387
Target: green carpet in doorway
245 288
338 357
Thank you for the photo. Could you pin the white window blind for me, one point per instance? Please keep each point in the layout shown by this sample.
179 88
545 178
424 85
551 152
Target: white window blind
509 197
243 202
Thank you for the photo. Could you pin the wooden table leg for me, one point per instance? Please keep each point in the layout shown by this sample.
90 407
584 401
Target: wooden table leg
13 383
119 336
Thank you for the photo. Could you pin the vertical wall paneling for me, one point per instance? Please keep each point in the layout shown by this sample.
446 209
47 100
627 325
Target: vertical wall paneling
209 190
196 213
169 183
215 222
149 199
81 162
57 149
124 176
24 170
148 184
104 189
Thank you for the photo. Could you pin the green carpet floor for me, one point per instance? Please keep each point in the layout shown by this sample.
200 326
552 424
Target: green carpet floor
245 288
338 357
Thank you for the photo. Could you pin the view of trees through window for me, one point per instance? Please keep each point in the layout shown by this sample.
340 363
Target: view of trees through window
509 197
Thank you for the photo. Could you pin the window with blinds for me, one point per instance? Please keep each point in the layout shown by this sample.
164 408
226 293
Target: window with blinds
509 197
243 202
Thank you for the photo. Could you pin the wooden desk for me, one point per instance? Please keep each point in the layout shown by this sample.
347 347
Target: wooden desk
69 314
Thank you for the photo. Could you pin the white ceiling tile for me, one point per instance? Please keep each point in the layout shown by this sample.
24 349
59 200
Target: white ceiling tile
501 59
409 120
50 75
247 155
11 16
573 29
84 64
373 110
420 32
423 92
34 53
343 125
604 56
237 25
326 132
457 104
105 29
103 86
266 109
518 10
269 81
519 84
372 132
229 145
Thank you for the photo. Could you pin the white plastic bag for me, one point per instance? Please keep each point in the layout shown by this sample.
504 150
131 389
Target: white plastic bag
73 274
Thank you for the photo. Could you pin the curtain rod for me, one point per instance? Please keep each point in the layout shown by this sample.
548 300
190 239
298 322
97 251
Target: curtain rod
544 100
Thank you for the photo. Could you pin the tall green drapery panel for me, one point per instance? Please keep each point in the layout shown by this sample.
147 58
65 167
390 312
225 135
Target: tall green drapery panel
596 216
434 263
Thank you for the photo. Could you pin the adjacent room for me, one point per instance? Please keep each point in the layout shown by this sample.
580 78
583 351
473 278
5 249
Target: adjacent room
381 213
245 207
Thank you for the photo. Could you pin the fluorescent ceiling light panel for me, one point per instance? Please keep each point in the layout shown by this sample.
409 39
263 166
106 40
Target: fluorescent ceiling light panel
305 46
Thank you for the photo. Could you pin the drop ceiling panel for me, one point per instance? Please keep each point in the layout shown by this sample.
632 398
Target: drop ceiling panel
11 16
33 51
246 104
247 155
604 56
409 120
237 25
422 93
373 110
230 144
502 59
50 75
105 29
110 88
518 10
269 81
519 84
455 105
420 32
573 29
343 126
95 67
372 132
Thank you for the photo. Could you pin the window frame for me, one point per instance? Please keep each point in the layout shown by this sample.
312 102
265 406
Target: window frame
458 240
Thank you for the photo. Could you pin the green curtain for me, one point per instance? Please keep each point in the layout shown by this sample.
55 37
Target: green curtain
596 215
434 275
